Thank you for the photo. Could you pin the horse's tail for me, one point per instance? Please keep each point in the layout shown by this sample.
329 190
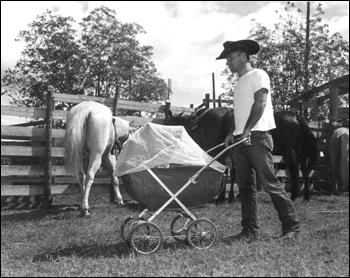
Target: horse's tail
75 139
309 143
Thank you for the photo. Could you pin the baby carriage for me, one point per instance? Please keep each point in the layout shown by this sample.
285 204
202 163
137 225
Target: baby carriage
163 168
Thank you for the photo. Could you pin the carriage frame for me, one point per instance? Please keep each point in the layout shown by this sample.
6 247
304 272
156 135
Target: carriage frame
145 237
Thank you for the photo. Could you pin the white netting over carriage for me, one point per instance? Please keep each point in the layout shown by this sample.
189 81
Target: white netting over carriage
155 145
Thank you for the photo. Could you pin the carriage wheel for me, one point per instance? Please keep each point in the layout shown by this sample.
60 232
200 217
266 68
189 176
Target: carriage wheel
178 226
146 238
201 234
128 224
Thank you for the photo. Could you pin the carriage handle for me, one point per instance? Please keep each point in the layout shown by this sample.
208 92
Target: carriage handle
226 149
193 178
229 147
220 145
223 144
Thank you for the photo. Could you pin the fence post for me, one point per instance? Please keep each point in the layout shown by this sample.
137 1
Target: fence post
315 109
47 202
333 105
167 109
213 77
207 101
301 109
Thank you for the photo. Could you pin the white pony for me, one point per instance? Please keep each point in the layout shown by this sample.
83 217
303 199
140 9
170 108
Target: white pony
91 135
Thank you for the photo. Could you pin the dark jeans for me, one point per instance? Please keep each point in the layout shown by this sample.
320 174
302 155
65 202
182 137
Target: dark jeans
258 157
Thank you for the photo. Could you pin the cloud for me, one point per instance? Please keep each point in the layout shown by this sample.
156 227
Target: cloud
186 36
331 8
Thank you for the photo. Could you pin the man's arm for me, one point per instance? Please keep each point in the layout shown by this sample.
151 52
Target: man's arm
258 108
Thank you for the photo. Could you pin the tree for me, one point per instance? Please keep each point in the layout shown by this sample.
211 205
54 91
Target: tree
117 61
105 59
51 58
283 50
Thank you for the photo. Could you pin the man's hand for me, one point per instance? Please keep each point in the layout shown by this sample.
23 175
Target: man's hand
246 134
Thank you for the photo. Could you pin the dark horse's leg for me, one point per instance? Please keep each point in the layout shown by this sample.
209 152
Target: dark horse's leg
230 169
304 170
221 198
293 167
231 195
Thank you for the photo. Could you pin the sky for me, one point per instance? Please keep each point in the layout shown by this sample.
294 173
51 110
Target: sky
186 36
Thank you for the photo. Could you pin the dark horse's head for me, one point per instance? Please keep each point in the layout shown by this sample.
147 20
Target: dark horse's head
180 119
188 121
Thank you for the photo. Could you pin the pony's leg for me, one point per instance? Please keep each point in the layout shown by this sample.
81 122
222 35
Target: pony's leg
82 177
94 165
111 163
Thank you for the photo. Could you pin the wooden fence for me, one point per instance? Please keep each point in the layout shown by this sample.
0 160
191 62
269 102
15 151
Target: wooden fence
32 164
24 150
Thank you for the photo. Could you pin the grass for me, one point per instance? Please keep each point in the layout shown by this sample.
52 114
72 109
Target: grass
58 242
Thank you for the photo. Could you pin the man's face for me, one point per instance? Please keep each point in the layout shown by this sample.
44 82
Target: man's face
234 61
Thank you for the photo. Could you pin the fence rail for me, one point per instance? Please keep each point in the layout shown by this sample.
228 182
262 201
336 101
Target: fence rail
23 149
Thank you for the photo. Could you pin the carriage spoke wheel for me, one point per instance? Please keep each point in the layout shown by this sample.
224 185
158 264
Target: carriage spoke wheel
201 234
146 238
178 226
128 224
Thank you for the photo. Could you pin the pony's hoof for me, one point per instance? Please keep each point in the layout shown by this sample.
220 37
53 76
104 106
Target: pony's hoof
85 213
121 204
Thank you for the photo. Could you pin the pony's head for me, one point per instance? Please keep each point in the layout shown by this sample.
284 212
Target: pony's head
122 131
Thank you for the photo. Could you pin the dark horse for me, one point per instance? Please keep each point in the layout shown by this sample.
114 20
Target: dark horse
208 128
292 137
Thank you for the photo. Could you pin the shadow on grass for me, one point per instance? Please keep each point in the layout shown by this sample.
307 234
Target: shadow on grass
37 213
21 202
134 206
26 216
120 250
264 198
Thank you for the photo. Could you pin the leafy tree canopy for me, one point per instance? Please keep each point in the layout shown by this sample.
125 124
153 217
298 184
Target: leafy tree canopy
99 59
282 54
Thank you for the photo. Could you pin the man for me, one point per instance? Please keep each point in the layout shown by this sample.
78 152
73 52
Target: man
253 114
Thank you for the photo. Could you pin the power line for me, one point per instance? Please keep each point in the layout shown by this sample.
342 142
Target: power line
187 81
334 10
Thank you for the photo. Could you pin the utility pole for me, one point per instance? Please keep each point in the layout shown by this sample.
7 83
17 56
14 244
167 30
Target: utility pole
214 104
306 86
169 88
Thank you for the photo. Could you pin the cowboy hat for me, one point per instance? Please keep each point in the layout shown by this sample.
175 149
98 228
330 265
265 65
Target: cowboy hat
248 46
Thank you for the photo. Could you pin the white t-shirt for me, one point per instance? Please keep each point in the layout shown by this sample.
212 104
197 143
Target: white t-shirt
243 99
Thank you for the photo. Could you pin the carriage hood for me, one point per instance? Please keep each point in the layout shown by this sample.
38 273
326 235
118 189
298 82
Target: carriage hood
158 145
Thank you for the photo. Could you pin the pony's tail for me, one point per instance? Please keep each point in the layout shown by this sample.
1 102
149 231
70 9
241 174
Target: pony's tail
75 139
309 142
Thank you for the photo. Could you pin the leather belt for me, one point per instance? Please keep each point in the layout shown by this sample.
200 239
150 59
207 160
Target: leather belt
254 132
